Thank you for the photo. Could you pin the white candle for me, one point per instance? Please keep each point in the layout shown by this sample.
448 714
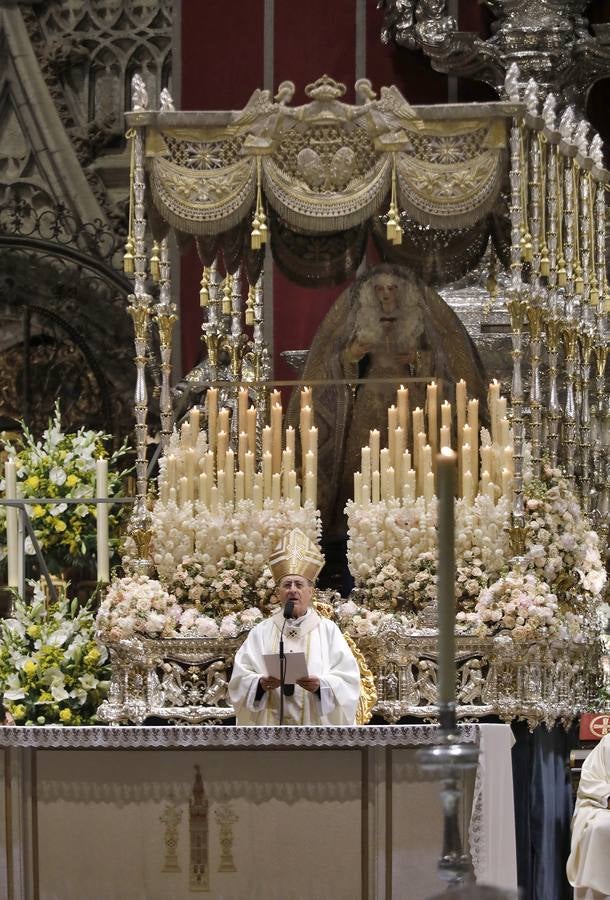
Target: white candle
296 495
249 473
230 475
392 426
276 489
411 486
446 415
376 488
305 425
242 409
446 465
473 421
171 470
101 488
445 437
366 494
267 444
365 464
185 435
432 404
468 487
313 445
240 486
290 440
310 488
402 402
358 488
390 476
429 487
490 491
305 397
251 428
203 489
194 422
257 496
507 482
224 420
267 474
221 482
214 499
374 445
212 405
503 432
183 490
276 436
242 449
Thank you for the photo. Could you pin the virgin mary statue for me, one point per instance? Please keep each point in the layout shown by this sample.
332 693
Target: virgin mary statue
387 328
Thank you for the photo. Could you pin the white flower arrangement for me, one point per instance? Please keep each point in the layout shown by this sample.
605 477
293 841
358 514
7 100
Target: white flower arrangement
392 550
52 669
520 603
139 606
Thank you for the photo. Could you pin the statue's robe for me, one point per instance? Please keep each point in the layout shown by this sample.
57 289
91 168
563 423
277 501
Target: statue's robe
328 658
588 866
426 341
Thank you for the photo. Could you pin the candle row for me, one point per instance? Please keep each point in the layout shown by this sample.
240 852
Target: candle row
212 472
395 472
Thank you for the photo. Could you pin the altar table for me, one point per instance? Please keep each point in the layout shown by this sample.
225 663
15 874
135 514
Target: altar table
295 813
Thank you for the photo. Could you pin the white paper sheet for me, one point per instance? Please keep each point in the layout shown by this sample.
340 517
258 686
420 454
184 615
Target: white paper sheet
296 666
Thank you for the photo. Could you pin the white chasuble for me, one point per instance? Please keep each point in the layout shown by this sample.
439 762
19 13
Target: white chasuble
328 658
588 866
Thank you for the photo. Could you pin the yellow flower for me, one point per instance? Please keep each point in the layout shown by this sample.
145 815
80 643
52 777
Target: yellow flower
71 480
60 525
18 711
32 482
92 657
38 511
34 632
29 667
65 715
46 697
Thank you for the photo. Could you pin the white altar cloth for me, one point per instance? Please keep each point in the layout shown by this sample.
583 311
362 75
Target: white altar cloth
86 813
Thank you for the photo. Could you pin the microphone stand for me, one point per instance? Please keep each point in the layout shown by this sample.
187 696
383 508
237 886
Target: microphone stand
288 609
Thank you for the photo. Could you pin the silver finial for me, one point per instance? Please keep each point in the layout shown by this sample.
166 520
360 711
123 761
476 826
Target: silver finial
548 111
596 151
511 83
530 97
167 104
580 137
566 124
139 94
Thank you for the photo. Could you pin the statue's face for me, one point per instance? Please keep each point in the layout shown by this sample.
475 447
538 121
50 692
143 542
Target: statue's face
386 292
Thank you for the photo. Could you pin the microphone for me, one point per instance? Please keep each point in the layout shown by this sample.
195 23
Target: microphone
288 610
285 689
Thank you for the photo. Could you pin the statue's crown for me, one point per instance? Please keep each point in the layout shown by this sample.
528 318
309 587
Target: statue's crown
296 555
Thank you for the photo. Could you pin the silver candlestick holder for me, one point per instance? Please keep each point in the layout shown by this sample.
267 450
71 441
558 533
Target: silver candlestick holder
448 761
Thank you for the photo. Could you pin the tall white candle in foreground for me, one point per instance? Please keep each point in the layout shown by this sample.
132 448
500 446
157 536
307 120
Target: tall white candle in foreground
446 470
101 489
12 524
212 405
